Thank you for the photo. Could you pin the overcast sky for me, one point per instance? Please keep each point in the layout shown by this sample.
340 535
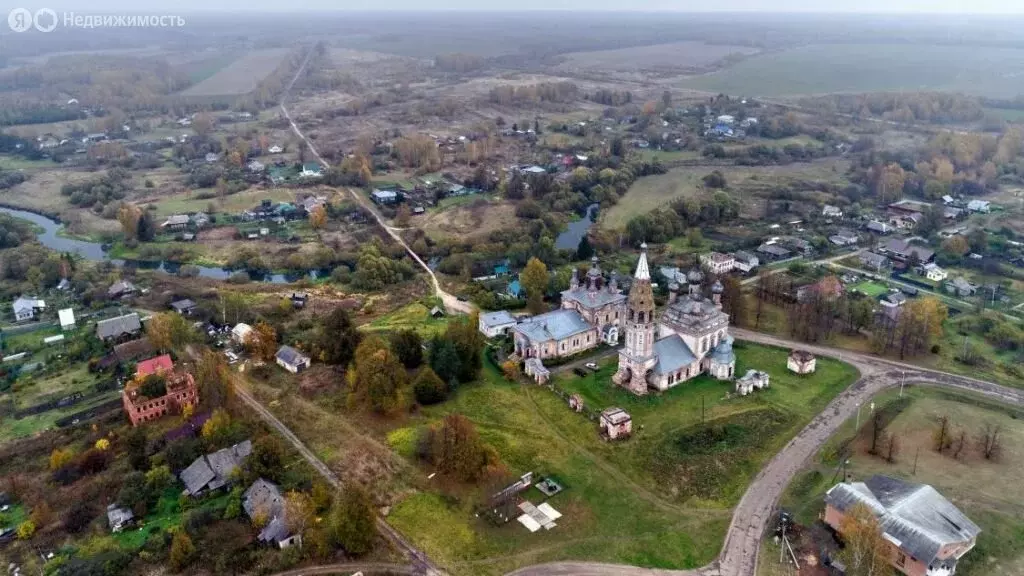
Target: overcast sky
816 6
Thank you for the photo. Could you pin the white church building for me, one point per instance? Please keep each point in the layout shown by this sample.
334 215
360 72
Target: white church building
691 337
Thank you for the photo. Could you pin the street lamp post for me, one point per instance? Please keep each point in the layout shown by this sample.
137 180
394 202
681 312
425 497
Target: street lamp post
902 382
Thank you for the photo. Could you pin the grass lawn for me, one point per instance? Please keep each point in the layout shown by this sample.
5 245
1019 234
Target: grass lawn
11 428
31 390
616 508
990 493
414 316
165 515
20 163
872 289
184 203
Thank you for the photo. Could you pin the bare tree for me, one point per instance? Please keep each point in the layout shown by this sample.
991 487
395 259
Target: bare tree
990 441
941 435
959 443
892 447
877 432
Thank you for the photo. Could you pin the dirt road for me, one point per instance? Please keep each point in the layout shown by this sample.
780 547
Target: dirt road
451 303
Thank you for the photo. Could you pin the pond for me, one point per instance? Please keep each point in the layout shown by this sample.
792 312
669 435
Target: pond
51 238
570 239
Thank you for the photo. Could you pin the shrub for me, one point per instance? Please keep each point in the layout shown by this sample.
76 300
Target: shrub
26 529
78 516
428 387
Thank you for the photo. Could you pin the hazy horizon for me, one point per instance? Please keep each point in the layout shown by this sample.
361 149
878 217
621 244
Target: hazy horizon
808 7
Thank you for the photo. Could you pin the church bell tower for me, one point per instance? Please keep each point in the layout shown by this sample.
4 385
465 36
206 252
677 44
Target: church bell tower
637 357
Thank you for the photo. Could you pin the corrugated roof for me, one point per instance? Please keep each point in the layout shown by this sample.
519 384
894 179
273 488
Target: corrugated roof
113 327
915 515
291 356
556 325
672 354
154 365
67 317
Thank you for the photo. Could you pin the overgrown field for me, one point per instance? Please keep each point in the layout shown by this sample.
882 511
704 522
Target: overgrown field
677 55
988 491
241 76
820 69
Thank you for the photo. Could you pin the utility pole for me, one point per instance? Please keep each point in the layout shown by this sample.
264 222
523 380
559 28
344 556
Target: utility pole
902 382
858 420
916 454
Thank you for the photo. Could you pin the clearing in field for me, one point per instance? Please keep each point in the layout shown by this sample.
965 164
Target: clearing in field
41 193
872 289
824 69
674 56
987 491
479 217
189 201
241 76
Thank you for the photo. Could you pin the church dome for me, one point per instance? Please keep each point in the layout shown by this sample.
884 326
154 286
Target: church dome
723 354
717 288
673 287
695 276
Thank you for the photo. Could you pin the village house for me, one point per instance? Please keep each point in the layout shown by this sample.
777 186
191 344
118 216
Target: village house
255 166
877 227
118 327
311 170
832 211
893 299
554 334
616 423
718 263
902 250
384 197
933 272
298 299
184 307
745 261
773 252
873 261
291 359
844 237
493 324
982 206
180 391
263 503
122 289
961 287
801 362
177 222
119 518
25 309
210 157
275 149
214 471
924 534
689 339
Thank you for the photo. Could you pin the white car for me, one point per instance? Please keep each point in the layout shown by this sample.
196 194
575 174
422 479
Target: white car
592 366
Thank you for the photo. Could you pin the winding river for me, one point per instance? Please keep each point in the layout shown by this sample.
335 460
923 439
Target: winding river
93 251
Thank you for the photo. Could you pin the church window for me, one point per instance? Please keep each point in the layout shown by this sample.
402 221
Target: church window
641 318
616 315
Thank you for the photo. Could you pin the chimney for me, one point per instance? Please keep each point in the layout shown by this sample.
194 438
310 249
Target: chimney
673 292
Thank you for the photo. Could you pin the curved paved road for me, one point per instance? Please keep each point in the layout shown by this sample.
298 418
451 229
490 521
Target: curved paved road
753 513
451 303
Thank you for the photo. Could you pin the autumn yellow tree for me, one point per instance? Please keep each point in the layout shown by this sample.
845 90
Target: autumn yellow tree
202 124
534 279
169 331
299 511
128 215
402 216
262 342
318 217
866 552
890 182
378 380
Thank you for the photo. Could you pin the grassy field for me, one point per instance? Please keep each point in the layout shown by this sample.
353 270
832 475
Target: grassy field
990 493
186 202
668 155
658 191
819 69
476 217
873 289
415 316
11 429
241 76
620 504
659 56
